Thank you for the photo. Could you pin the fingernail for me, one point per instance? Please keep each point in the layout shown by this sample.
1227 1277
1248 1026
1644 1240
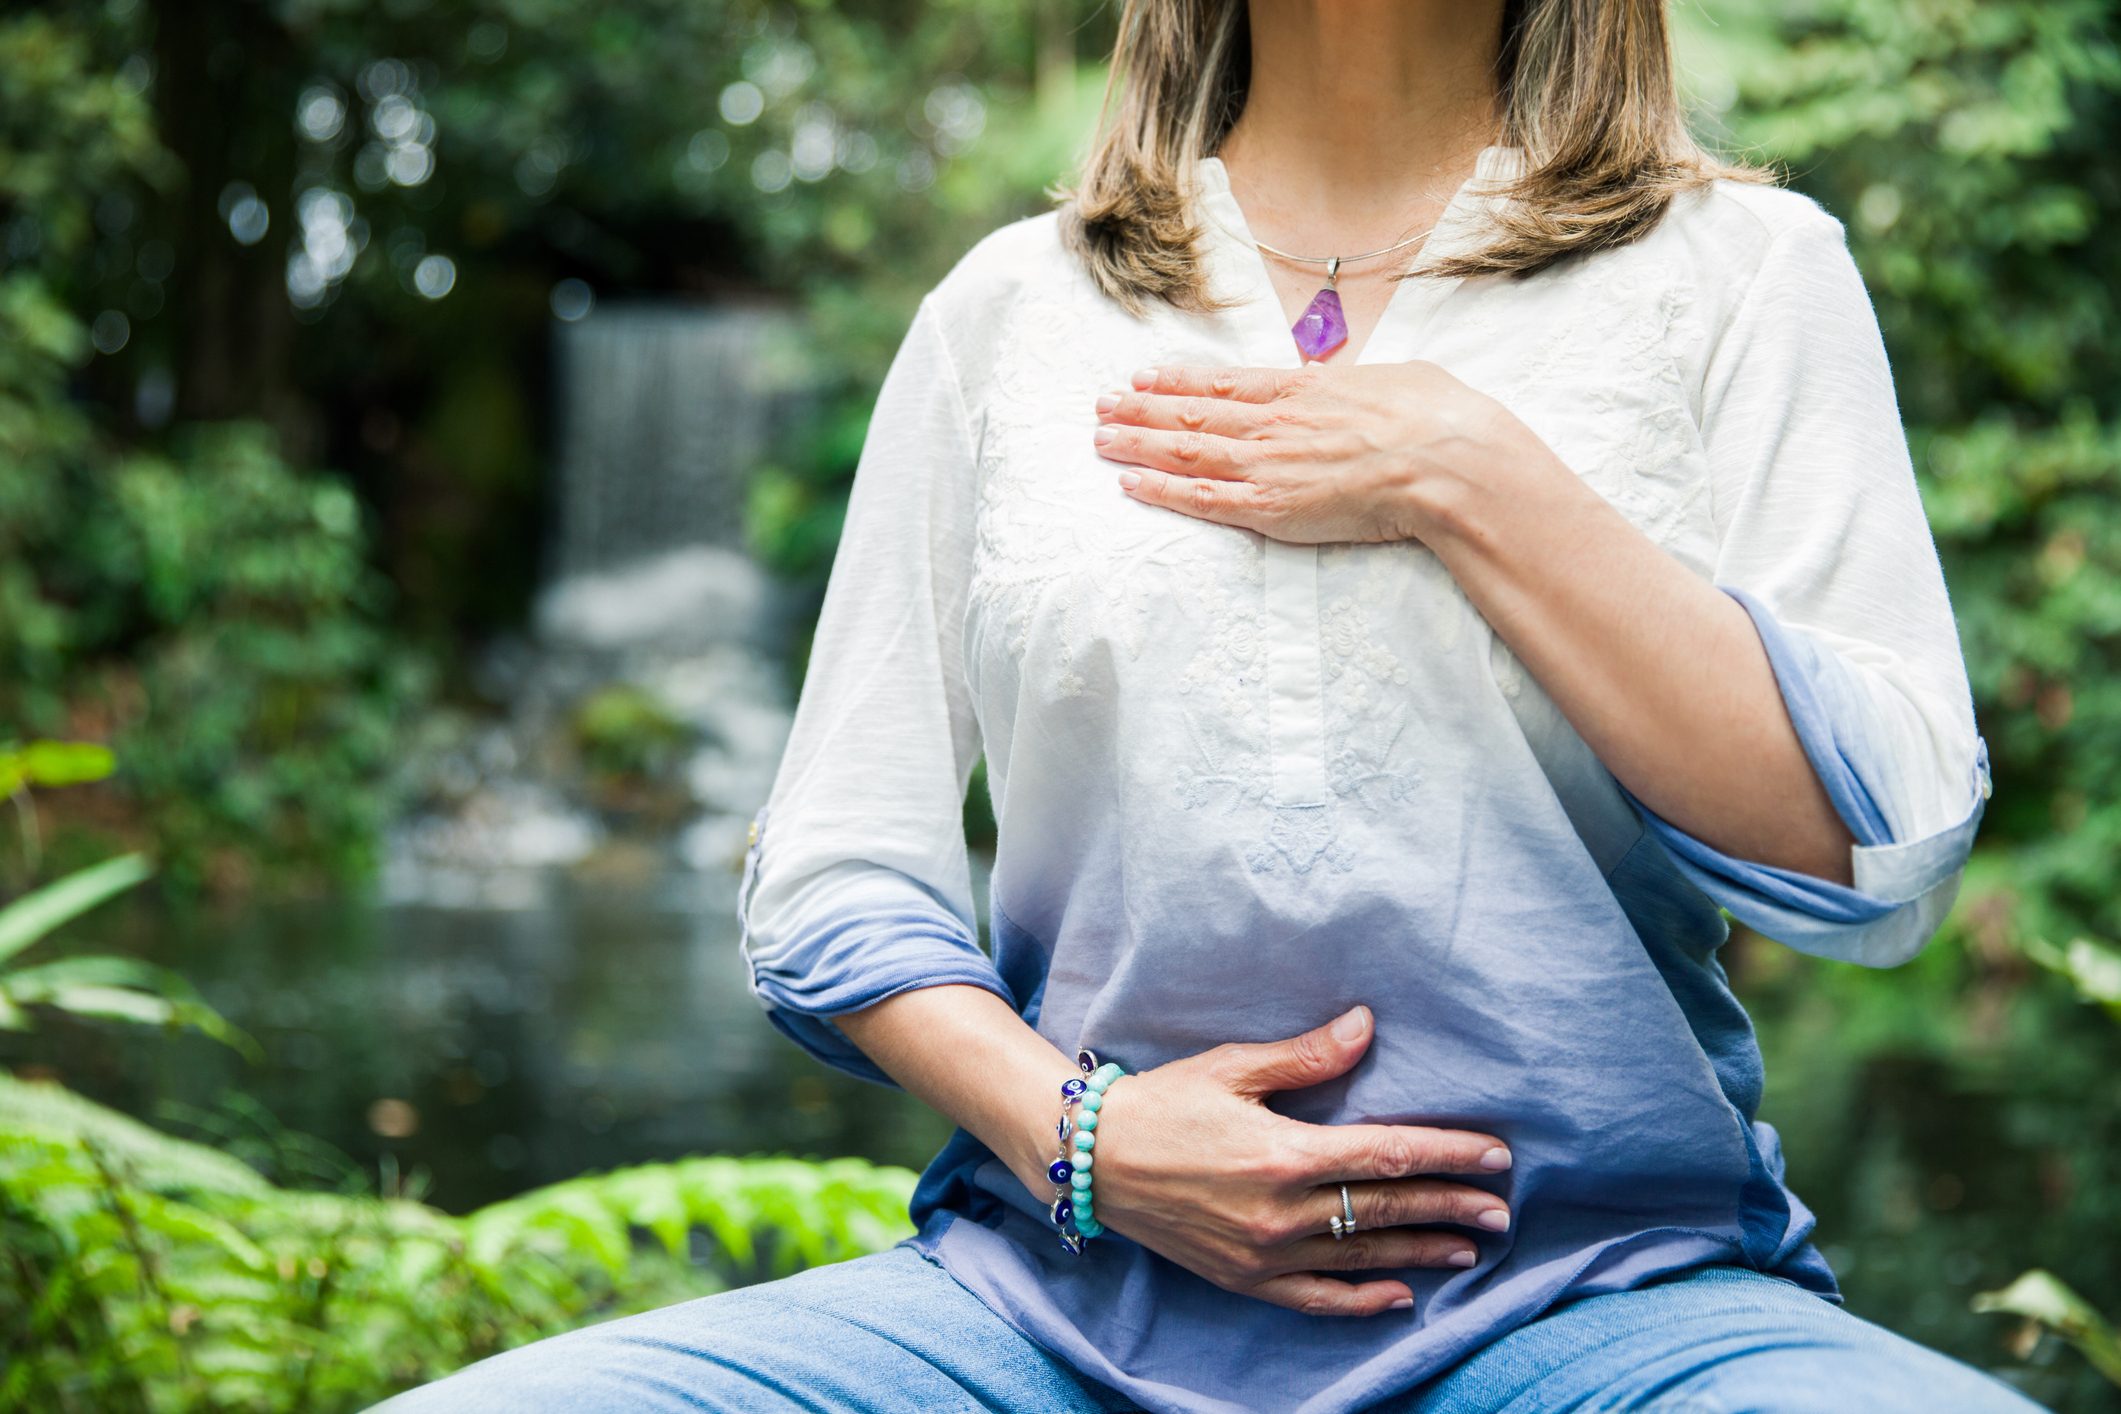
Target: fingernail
1495 1219
1143 377
1349 1026
1403 1303
1463 1259
1495 1160
1105 435
1107 401
1129 479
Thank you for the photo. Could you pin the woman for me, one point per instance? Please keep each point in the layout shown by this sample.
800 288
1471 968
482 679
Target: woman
1382 692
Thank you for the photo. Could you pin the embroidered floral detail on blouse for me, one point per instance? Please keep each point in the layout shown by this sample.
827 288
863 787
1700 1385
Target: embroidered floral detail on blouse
1365 714
1627 422
1227 679
1300 836
1225 688
1231 660
1199 786
1366 711
1649 473
1353 658
1057 548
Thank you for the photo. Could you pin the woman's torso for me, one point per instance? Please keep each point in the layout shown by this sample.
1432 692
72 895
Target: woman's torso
1242 785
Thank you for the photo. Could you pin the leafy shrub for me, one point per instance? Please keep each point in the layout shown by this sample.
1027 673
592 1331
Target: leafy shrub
211 614
146 1272
625 730
196 603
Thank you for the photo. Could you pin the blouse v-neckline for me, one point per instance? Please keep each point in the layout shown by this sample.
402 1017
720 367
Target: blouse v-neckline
1238 266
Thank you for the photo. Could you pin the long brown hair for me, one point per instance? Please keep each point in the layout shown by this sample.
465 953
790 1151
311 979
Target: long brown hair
1586 90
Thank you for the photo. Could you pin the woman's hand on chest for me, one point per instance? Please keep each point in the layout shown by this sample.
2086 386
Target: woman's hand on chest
1364 452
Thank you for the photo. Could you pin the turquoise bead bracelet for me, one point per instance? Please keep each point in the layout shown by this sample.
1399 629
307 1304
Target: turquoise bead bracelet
1070 1171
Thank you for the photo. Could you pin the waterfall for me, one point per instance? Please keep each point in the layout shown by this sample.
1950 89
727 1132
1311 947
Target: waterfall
662 410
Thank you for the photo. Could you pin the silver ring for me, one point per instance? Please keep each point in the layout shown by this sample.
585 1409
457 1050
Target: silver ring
1348 1208
1339 1230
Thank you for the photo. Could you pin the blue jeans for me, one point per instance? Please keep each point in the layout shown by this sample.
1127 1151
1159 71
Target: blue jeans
891 1331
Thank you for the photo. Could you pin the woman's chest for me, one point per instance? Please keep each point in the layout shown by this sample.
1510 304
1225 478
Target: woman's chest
1071 576
1299 694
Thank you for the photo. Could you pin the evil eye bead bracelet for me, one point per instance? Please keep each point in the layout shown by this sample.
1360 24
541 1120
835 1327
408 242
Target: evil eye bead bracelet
1081 1098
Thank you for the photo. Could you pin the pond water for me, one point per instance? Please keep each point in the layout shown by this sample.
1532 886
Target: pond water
488 1049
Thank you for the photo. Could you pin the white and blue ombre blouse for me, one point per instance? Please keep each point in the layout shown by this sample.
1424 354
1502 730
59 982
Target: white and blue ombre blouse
1242 784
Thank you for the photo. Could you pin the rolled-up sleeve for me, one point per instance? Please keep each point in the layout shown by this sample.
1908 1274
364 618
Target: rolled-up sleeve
857 883
1822 539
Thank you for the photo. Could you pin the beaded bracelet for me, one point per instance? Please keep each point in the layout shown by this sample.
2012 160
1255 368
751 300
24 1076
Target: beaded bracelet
1070 1171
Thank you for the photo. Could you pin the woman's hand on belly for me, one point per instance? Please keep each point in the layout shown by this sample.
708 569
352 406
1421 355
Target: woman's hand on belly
1366 452
1193 1165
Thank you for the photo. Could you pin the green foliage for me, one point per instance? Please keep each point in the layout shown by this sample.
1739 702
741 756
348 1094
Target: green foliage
53 763
71 127
68 133
107 987
147 1272
2094 969
2039 1296
271 697
212 609
797 502
625 730
111 988
199 605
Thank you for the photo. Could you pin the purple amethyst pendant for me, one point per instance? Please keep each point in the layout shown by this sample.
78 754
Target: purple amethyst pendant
1322 327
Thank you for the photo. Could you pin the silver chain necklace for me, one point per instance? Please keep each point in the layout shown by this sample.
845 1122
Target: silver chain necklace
1323 326
1334 262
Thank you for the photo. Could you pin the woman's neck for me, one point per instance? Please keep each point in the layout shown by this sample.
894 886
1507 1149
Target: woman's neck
1358 110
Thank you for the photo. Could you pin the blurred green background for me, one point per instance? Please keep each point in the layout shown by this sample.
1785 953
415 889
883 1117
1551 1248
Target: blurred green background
423 434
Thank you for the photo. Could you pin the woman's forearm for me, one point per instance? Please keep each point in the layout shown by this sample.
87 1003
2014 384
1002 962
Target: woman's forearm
966 1052
1660 672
